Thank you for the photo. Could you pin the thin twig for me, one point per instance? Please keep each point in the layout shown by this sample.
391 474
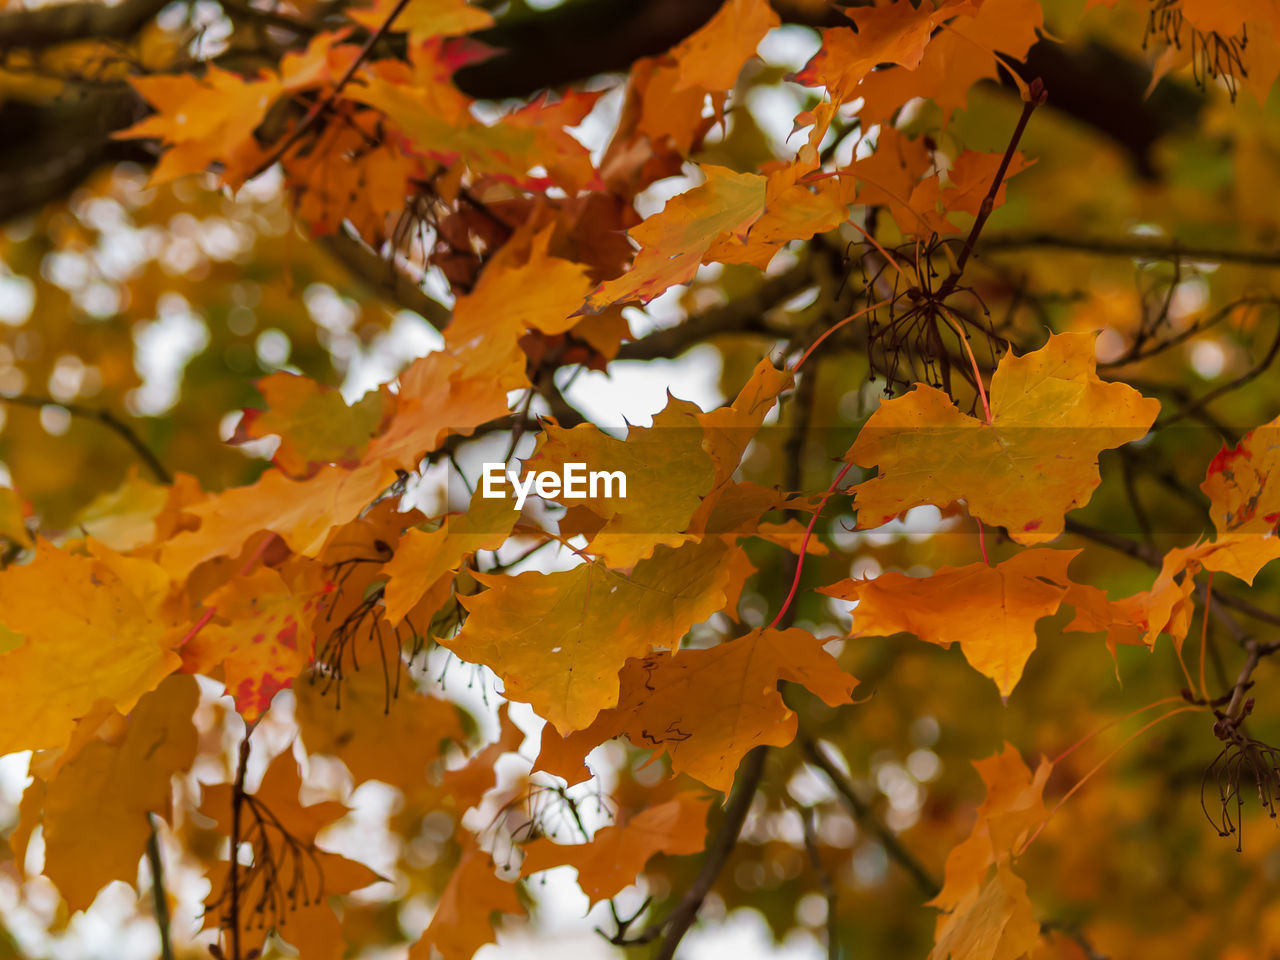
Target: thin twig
824 881
924 880
106 418
233 876
1138 248
1036 96
326 102
680 919
158 895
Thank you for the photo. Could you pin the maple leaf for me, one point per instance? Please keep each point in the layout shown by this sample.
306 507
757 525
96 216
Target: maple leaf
792 211
895 33
315 425
707 708
203 121
425 561
434 120
95 809
711 57
461 924
667 474
964 51
994 922
616 855
93 628
1035 460
1243 504
302 512
424 19
442 394
990 611
725 203
259 634
125 518
517 294
376 737
988 913
558 640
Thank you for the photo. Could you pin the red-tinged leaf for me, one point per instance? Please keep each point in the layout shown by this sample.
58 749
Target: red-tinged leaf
259 634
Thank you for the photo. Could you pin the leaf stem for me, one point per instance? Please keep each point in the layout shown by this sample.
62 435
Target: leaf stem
1099 765
804 543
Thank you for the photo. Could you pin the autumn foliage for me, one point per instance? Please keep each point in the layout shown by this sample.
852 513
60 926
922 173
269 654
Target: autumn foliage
986 291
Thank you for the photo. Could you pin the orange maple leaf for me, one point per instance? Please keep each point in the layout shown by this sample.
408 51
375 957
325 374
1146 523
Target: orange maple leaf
990 611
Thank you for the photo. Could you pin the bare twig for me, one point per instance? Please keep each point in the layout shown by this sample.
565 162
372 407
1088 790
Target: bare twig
1138 248
861 810
743 315
233 875
158 895
680 919
107 419
1070 931
1037 96
320 106
1200 403
824 881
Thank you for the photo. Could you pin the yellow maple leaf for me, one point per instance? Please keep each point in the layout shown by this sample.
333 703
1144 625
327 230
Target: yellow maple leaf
93 628
1035 461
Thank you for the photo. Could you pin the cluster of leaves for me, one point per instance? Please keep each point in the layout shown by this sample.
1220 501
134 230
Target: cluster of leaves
182 646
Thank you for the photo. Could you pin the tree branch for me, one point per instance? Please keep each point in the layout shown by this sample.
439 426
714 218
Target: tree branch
233 868
743 315
1140 248
384 276
107 419
862 812
680 919
158 895
46 26
824 881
